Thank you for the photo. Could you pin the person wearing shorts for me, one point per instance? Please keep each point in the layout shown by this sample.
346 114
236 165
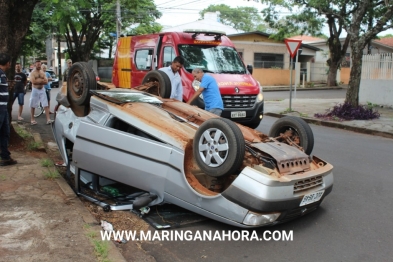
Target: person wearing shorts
19 89
38 94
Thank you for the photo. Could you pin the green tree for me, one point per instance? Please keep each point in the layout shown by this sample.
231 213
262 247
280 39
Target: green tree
41 28
246 19
362 20
82 22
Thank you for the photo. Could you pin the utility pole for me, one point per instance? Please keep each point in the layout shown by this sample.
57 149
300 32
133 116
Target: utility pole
118 20
59 55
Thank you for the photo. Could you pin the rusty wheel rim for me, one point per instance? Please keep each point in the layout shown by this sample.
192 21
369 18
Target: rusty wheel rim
77 84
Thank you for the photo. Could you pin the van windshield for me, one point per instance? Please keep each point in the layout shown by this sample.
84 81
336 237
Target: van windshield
212 59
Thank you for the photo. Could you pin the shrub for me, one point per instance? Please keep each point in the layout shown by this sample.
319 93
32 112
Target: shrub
346 111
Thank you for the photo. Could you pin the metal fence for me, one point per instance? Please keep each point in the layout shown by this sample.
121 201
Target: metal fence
268 64
377 66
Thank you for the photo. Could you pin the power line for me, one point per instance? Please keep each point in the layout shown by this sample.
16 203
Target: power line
166 2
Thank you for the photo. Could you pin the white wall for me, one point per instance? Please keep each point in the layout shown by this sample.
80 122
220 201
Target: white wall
376 84
376 91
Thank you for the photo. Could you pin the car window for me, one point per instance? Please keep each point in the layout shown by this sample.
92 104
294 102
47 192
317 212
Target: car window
133 97
52 74
143 59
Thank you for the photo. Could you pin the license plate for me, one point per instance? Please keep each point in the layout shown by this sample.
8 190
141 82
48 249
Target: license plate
311 198
238 114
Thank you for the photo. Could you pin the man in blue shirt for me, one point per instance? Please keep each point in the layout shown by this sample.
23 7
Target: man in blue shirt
173 73
6 160
210 91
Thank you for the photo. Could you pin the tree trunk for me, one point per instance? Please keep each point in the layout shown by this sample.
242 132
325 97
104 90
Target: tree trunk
337 53
14 22
336 50
352 96
332 75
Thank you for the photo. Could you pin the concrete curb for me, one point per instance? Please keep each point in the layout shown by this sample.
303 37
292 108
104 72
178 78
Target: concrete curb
40 143
338 125
286 88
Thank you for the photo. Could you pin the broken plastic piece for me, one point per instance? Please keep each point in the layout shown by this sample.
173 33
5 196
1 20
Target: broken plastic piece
106 226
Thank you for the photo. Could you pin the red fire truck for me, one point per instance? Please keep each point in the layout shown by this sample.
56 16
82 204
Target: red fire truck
138 58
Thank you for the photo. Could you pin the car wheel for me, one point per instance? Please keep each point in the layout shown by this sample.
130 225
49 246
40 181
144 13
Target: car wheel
219 147
296 129
199 102
161 83
81 79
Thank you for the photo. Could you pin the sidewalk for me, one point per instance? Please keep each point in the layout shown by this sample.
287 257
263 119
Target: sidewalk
306 108
42 219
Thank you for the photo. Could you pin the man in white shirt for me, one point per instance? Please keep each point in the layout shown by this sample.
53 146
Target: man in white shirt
173 73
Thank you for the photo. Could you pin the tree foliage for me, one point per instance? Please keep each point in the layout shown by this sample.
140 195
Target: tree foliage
41 28
362 21
82 22
247 19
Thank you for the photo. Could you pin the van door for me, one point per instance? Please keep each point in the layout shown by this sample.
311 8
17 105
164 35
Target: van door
122 67
168 56
144 52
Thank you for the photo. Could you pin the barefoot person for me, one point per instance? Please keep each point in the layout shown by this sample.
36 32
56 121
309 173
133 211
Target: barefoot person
38 95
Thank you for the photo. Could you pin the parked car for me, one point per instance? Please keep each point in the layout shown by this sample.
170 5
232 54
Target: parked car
167 151
55 79
28 84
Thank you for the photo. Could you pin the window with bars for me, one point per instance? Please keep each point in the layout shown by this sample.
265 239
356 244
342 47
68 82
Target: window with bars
268 60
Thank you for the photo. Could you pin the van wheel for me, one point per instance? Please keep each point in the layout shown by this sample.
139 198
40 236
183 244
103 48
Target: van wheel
161 84
81 79
219 147
296 129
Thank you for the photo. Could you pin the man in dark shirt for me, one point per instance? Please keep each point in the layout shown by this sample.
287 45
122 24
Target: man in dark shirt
6 160
65 73
19 89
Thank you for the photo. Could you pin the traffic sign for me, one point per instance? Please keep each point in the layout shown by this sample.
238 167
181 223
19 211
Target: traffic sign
293 45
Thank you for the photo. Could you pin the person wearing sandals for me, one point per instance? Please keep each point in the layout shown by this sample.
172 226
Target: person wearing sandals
19 89
47 86
6 160
38 95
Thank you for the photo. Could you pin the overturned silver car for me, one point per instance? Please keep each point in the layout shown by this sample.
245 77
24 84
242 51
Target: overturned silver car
171 152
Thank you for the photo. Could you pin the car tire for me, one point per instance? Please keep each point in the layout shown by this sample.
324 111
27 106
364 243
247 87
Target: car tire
164 83
199 102
223 154
81 79
92 75
302 131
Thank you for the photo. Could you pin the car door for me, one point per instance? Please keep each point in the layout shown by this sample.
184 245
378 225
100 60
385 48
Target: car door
127 158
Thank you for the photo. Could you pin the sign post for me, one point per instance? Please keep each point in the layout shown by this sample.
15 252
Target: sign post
292 46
